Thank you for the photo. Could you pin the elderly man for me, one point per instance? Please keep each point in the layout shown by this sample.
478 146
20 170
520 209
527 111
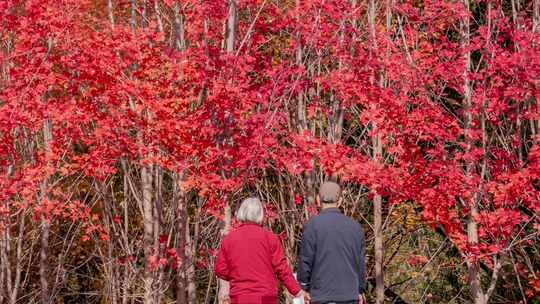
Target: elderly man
251 258
332 254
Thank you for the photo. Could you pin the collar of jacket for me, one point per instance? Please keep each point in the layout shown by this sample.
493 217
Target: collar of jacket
332 209
248 224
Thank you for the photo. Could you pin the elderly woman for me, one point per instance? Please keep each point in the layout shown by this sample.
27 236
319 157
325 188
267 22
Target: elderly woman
251 258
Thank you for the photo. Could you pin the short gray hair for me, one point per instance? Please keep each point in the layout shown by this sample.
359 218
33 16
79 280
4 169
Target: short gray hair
251 210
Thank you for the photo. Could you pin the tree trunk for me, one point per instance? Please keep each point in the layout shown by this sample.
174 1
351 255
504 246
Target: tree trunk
536 15
536 24
378 231
110 11
5 263
230 34
224 285
178 26
181 215
377 199
473 266
148 238
230 38
133 18
157 221
9 287
45 225
18 260
157 11
191 249
125 232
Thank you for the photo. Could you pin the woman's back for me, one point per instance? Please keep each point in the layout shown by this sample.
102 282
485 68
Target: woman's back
251 258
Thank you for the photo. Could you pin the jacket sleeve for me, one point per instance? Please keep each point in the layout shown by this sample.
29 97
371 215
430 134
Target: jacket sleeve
221 266
362 263
306 257
281 267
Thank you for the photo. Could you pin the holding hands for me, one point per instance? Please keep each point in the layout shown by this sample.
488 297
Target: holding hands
307 297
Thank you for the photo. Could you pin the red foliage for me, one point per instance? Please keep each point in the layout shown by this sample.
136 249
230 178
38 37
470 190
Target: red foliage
125 93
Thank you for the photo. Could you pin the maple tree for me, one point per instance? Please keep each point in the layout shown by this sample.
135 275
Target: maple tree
129 130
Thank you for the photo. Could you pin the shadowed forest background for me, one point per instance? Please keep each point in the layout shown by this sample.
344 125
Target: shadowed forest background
130 130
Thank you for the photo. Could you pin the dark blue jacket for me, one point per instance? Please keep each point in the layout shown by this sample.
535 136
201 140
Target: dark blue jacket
332 257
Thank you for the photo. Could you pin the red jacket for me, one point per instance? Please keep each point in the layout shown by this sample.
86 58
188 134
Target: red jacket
251 258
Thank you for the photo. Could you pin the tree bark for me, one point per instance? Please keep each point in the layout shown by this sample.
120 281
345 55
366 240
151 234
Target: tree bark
5 263
110 11
125 232
45 225
148 238
133 18
181 215
536 15
230 39
377 199
178 26
157 10
157 222
378 232
535 123
191 249
477 294
224 286
232 20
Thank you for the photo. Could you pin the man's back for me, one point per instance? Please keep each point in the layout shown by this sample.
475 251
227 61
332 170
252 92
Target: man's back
332 252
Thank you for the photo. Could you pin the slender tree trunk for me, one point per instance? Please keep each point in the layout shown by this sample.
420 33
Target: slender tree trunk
144 19
536 15
180 197
8 264
230 39
191 249
157 221
378 233
232 20
181 215
157 10
150 233
110 11
535 123
5 265
178 26
133 18
109 271
127 269
309 176
18 261
377 199
224 285
9 286
148 238
472 226
45 225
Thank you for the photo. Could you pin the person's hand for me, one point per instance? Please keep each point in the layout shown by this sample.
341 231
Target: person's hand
361 299
226 300
307 297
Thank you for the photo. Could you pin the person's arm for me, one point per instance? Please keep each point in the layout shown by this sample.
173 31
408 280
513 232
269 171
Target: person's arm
362 261
221 266
306 258
281 267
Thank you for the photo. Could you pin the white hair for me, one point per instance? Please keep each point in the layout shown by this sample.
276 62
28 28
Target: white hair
251 210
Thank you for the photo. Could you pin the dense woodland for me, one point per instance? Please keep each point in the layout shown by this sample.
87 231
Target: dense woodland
131 129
